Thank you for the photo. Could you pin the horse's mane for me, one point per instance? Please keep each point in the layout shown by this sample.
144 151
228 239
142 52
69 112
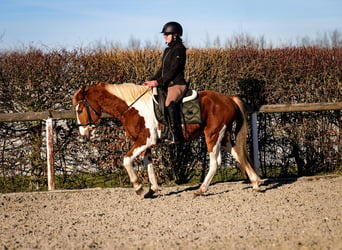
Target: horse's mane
128 92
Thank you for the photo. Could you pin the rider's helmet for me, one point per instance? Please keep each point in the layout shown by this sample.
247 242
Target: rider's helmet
172 28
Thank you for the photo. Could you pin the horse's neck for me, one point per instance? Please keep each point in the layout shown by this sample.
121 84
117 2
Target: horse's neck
112 105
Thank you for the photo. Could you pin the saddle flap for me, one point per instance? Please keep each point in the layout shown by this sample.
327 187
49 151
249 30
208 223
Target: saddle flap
191 108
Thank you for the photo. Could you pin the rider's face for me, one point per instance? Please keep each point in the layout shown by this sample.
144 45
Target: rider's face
168 37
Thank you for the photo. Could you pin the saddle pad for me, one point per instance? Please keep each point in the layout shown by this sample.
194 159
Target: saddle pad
191 109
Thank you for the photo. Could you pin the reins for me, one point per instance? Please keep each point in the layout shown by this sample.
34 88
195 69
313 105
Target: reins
133 102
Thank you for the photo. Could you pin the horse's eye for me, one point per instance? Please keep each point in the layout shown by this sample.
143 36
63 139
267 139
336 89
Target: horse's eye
79 111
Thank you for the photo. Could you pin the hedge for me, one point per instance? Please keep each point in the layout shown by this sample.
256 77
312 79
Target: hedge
37 80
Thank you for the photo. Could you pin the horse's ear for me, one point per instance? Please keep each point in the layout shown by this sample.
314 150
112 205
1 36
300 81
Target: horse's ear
84 90
79 94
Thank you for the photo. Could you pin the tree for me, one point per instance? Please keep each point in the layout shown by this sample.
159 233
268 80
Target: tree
133 43
336 39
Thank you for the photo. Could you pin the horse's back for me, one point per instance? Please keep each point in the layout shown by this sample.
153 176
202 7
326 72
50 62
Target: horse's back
218 105
210 97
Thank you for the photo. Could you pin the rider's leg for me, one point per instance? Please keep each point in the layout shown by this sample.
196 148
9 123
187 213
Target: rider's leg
174 95
175 123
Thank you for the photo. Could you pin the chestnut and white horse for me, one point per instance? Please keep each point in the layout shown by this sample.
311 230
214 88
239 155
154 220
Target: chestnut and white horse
133 105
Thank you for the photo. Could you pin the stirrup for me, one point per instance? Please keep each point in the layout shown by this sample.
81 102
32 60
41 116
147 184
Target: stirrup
168 141
173 141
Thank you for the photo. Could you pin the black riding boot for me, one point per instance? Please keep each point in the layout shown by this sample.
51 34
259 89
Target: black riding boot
175 124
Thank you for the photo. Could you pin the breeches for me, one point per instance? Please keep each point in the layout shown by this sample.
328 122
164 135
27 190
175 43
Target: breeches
175 93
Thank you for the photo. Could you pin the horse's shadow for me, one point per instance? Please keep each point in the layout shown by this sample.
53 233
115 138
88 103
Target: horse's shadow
267 185
270 184
193 188
187 189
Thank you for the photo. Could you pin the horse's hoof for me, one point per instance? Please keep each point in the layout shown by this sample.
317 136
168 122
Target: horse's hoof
150 194
256 187
197 193
260 182
139 190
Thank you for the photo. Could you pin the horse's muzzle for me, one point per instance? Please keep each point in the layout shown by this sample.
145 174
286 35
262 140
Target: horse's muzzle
87 132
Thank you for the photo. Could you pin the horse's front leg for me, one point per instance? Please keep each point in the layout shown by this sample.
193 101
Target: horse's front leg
151 175
128 164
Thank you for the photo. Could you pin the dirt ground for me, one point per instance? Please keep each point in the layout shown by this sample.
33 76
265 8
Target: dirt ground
303 213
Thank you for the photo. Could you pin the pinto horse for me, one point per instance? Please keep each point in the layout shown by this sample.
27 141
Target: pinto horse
133 105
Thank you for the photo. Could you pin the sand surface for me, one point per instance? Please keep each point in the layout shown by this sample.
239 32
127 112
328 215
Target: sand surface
303 213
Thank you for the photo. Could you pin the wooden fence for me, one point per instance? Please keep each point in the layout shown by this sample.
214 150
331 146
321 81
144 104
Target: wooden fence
70 114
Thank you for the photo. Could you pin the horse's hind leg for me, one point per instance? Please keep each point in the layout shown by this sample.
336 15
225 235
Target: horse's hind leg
245 164
151 174
214 147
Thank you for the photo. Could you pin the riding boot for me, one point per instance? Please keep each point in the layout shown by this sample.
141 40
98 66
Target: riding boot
175 124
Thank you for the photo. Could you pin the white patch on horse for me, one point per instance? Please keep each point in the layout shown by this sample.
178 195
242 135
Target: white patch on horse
217 147
144 106
84 130
234 153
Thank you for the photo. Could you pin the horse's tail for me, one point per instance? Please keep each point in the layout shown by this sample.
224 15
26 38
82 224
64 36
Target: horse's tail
241 132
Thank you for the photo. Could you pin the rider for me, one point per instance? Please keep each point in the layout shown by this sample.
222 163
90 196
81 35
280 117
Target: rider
170 77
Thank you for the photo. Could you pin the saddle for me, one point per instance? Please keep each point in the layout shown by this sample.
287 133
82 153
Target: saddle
190 108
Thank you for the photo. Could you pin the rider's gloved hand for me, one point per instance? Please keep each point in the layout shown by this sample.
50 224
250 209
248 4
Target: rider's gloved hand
153 83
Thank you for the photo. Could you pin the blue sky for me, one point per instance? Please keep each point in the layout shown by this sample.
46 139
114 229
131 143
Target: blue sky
80 23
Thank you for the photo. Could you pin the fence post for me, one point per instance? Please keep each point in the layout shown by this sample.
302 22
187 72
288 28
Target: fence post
255 141
49 152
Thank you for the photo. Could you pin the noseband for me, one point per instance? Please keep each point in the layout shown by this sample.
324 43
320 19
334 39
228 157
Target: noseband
87 106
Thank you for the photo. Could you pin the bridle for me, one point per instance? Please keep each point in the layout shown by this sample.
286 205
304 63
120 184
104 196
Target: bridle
87 106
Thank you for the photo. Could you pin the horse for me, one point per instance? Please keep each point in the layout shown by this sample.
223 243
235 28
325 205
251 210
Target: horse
132 104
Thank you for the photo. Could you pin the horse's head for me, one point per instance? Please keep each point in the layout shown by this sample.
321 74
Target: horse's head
88 113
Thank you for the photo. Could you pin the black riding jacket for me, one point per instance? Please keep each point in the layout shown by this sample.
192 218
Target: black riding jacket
171 71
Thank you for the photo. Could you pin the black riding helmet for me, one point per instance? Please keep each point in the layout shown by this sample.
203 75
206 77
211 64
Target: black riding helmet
173 28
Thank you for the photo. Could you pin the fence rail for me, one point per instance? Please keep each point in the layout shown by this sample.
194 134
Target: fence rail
70 114
301 107
35 116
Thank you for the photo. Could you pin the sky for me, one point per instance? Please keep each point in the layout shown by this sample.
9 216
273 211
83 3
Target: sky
74 24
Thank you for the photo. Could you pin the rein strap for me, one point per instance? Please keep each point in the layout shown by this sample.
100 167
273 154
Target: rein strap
134 102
